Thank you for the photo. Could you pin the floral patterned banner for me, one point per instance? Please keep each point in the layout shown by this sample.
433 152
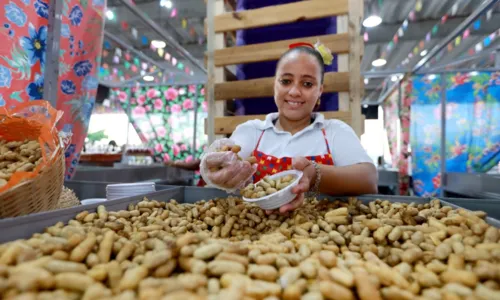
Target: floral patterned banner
391 120
164 116
405 112
472 127
23 57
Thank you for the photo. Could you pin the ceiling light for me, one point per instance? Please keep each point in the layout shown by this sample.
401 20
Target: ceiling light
379 62
372 21
166 3
432 76
110 14
424 53
158 44
148 78
367 80
473 73
365 106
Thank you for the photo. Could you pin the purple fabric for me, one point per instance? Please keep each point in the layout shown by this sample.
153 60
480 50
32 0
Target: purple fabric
329 102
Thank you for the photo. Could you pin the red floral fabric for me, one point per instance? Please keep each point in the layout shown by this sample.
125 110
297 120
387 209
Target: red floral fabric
24 31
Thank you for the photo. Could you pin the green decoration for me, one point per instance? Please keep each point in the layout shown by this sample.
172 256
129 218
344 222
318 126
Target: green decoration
435 29
96 136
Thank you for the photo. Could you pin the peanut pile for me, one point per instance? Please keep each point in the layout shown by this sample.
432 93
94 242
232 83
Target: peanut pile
266 186
229 249
18 156
235 149
67 199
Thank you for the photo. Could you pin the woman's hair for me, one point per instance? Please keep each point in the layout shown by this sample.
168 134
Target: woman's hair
308 50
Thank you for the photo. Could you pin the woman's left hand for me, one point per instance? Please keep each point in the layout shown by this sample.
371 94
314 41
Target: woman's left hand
304 185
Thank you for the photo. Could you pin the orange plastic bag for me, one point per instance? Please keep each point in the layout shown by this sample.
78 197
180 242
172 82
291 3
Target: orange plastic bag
35 120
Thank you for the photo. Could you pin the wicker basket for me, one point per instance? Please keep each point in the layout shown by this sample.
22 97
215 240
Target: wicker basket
38 194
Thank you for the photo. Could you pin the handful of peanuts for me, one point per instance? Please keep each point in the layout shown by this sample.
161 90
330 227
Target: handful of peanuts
266 187
229 249
18 156
235 149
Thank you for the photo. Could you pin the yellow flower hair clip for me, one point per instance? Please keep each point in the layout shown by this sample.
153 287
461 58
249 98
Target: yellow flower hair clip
323 50
325 53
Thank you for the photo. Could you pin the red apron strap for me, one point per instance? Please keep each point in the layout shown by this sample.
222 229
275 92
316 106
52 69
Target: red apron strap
326 140
258 142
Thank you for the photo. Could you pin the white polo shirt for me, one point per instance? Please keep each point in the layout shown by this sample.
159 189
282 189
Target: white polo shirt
344 144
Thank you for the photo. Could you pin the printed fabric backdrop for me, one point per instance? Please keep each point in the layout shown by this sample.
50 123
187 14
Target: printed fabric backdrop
23 57
472 127
164 117
391 120
398 114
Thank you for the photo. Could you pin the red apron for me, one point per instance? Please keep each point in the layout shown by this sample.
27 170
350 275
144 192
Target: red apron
269 165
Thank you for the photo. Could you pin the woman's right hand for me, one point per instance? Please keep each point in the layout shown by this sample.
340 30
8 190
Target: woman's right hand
227 171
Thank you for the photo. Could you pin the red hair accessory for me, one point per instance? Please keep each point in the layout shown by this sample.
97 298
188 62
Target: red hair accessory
295 45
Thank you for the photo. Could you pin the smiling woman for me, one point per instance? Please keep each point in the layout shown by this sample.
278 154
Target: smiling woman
328 152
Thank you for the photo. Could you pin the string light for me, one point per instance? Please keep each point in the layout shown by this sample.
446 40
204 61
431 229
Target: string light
379 62
166 3
158 44
110 15
372 21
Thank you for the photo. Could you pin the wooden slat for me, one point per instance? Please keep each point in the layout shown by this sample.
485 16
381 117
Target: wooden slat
355 86
264 87
226 125
280 14
337 43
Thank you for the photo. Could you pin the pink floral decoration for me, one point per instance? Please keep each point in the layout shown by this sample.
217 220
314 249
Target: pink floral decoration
171 94
189 158
139 111
183 147
151 93
187 104
122 96
159 148
161 131
158 104
176 108
204 105
192 89
141 99
176 149
166 157
202 91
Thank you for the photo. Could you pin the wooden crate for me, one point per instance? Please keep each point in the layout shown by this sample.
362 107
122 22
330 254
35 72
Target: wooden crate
347 44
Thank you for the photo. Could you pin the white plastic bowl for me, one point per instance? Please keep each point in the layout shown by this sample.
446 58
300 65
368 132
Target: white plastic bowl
281 197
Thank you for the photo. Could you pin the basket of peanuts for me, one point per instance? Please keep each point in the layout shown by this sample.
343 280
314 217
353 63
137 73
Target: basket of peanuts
31 159
272 191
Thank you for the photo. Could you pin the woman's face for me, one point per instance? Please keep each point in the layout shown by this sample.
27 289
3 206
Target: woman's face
297 86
